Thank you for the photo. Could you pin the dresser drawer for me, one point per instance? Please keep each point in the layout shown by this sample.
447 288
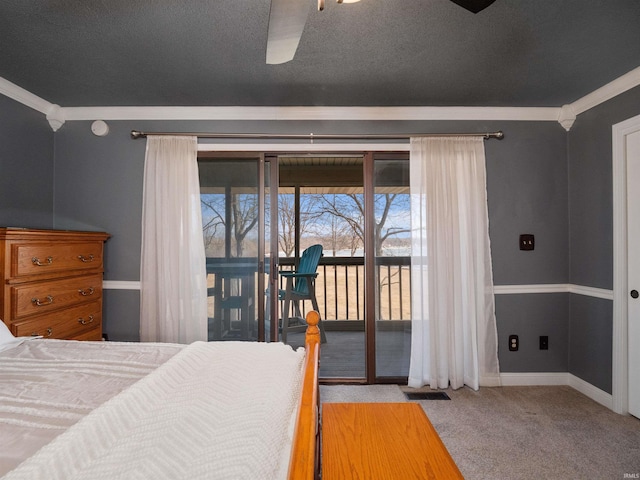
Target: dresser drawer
83 321
29 259
42 297
94 335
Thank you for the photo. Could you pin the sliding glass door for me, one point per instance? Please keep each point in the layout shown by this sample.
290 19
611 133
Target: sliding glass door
321 203
261 212
392 250
357 207
234 199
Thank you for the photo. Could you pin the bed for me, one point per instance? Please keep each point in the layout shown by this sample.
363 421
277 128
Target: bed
116 410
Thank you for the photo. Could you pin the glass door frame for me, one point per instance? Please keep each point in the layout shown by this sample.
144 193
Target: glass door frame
268 153
369 269
262 181
270 301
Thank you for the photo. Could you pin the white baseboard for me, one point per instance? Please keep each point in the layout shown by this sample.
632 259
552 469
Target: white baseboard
534 378
594 393
494 380
559 378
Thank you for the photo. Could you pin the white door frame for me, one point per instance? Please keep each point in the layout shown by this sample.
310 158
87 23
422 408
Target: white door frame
620 380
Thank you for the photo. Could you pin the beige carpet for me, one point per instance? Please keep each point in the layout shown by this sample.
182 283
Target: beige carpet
522 432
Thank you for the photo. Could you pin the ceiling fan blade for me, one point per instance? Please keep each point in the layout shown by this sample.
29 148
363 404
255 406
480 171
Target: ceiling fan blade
286 22
474 6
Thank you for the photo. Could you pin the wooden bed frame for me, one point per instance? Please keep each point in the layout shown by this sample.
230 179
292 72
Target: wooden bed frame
305 453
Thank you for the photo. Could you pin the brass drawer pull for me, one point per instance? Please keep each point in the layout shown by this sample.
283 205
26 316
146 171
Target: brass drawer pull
49 333
85 322
86 293
36 261
38 303
84 259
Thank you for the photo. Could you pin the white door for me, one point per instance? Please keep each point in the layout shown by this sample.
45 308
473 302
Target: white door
633 257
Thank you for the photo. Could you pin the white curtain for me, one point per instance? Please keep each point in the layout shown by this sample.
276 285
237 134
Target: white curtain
173 289
454 338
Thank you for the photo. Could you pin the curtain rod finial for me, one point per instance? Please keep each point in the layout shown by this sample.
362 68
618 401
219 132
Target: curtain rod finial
136 134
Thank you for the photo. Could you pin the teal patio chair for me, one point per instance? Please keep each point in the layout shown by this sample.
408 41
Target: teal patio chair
300 285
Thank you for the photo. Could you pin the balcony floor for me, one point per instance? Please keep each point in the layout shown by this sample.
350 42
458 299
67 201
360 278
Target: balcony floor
343 355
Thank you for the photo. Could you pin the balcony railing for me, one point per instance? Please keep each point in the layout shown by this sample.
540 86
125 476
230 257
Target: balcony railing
233 295
340 287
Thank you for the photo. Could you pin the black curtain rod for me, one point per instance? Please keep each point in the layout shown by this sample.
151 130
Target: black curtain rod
310 136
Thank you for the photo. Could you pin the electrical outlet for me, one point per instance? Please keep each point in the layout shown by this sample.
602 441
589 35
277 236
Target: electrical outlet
527 241
514 343
544 342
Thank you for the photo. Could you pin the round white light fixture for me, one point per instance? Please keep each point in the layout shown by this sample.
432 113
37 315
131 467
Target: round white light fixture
99 128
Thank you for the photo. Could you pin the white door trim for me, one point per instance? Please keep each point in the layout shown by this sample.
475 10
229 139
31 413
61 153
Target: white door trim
620 381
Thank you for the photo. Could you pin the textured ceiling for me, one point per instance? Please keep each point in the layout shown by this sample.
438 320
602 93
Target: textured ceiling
372 53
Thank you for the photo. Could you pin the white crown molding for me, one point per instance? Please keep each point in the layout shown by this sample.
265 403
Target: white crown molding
313 113
607 92
54 113
23 96
56 117
566 115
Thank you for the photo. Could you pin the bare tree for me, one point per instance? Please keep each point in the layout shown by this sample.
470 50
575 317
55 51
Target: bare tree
382 233
244 217
338 218
287 221
286 224
349 208
341 235
213 223
244 212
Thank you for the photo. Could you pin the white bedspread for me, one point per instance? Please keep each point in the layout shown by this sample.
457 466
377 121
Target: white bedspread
214 410
48 385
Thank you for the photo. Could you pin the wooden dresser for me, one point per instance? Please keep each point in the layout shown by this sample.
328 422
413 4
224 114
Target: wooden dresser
51 282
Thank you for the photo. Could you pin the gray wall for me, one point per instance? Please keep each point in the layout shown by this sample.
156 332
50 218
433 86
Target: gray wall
527 193
99 187
26 166
540 180
591 189
589 155
591 340
529 316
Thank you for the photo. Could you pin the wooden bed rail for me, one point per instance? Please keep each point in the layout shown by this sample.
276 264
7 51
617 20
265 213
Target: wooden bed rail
304 462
